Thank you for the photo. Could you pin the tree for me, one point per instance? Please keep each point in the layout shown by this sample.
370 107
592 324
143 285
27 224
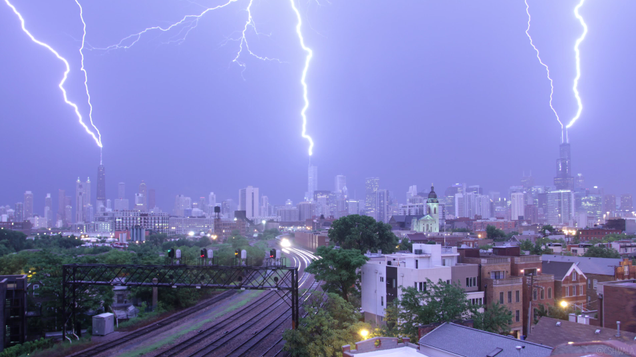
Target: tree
439 302
338 269
601 252
493 233
405 244
495 318
547 229
331 323
526 245
363 233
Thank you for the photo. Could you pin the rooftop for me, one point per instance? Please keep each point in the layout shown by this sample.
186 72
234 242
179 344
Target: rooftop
558 269
466 341
547 332
599 266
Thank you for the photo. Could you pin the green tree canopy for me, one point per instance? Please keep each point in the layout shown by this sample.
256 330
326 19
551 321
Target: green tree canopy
405 244
601 252
495 318
493 233
331 323
363 233
338 267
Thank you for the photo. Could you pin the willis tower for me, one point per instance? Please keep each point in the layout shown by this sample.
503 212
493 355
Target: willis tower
563 179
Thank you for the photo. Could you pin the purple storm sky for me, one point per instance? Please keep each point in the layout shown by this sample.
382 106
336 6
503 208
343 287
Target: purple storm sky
413 92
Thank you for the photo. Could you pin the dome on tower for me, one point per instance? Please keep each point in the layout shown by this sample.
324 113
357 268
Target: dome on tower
432 196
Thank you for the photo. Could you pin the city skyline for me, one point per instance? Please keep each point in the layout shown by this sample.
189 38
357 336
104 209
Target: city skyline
508 125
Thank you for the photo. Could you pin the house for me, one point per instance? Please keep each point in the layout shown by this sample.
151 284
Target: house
384 274
457 340
554 332
569 282
403 222
595 269
617 304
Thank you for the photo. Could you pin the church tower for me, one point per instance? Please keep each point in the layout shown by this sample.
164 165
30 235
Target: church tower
432 209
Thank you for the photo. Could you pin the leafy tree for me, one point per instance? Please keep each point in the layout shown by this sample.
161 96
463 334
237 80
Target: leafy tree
338 268
547 228
493 233
331 323
440 302
461 230
614 237
601 252
495 318
405 244
485 246
526 245
363 233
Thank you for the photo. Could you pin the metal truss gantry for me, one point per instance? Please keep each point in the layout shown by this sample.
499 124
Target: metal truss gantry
283 280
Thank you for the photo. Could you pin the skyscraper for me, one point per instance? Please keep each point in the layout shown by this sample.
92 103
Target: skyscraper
211 203
312 182
382 212
248 201
152 200
61 206
28 205
627 203
264 206
101 188
121 190
340 183
48 210
563 179
412 192
82 199
517 206
609 205
560 207
306 210
143 198
372 184
18 214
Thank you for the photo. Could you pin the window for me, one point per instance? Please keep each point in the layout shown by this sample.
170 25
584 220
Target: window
497 274
567 291
501 297
394 281
470 282
575 290
534 294
381 300
549 293
424 287
517 296
509 297
382 279
542 294
421 286
417 264
415 285
574 276
517 316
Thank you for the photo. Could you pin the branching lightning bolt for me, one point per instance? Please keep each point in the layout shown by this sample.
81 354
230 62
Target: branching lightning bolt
575 87
64 78
547 70
88 94
303 79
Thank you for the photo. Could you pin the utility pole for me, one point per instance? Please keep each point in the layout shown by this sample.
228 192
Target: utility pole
531 292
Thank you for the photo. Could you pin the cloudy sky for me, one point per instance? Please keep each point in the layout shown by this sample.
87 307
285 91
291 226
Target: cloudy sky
410 91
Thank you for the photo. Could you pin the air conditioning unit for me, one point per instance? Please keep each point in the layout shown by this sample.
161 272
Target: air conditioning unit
418 251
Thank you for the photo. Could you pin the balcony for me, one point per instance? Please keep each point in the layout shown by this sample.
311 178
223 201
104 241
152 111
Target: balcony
528 259
516 280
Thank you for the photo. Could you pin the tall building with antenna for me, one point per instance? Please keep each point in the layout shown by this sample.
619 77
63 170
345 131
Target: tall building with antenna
312 182
101 188
564 179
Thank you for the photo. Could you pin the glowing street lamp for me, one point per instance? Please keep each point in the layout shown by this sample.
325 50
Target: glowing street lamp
364 333
564 304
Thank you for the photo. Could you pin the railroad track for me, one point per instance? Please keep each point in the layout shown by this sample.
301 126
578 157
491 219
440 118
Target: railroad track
258 336
103 347
221 325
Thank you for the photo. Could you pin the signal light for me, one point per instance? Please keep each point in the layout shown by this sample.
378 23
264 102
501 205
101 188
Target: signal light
237 252
203 252
171 253
272 253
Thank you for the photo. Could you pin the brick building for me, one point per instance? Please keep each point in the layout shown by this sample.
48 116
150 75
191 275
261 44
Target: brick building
617 304
587 234
570 283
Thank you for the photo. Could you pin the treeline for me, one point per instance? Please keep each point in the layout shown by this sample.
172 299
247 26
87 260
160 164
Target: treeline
12 242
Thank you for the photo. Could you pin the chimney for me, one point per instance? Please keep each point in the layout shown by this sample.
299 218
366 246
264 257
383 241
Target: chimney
618 329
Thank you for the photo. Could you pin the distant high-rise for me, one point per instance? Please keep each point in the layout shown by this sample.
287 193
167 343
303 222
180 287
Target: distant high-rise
139 202
264 206
382 212
517 206
61 206
101 188
527 181
609 205
211 203
28 205
563 179
312 182
143 191
248 201
68 213
371 184
18 214
627 204
82 199
48 210
121 190
152 200
560 207
579 181
227 208
340 183
412 192
306 210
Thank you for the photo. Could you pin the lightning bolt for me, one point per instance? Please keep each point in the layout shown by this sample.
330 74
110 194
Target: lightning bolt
83 69
65 76
575 87
547 69
303 78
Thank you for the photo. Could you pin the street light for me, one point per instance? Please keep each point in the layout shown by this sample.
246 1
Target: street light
364 333
564 304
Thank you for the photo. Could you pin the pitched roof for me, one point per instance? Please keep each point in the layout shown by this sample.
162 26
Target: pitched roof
470 342
558 269
547 332
599 266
